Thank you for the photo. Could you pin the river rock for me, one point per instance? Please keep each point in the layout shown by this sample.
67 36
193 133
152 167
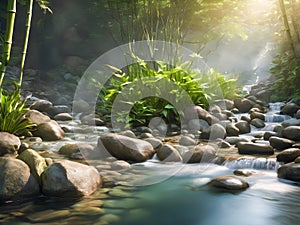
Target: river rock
36 163
243 126
290 171
243 105
155 142
186 141
200 153
93 120
126 148
288 155
254 148
49 131
16 181
290 109
9 144
280 143
69 149
229 182
269 134
258 123
54 110
298 114
80 106
264 95
37 117
41 105
224 104
291 122
191 112
120 165
235 139
197 124
292 132
214 132
128 133
232 130
70 179
63 117
258 115
243 172
168 153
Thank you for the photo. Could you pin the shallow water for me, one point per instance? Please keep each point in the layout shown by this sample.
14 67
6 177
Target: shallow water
176 195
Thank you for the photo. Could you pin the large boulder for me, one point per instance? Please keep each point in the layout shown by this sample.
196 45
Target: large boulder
290 122
126 148
250 148
168 153
243 105
280 143
16 181
232 130
9 144
36 163
70 179
37 117
214 132
49 131
292 132
229 182
69 149
288 155
290 109
290 171
200 153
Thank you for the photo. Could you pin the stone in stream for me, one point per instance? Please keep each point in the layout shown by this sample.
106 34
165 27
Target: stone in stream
243 126
224 104
258 123
63 117
229 182
36 163
70 179
41 105
126 148
69 149
37 117
258 115
92 119
298 114
49 131
280 143
128 133
197 124
155 142
292 132
290 171
243 172
236 139
9 144
232 130
214 132
168 153
16 181
191 112
249 148
288 155
290 109
243 105
200 153
187 141
120 165
290 122
54 110
269 134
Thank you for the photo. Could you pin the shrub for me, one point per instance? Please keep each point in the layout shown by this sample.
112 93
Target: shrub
200 87
12 111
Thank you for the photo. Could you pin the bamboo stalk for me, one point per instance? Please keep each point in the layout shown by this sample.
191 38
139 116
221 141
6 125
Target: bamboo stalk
11 12
27 31
287 26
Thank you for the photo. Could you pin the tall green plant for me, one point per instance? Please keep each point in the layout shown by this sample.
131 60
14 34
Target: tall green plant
10 21
27 31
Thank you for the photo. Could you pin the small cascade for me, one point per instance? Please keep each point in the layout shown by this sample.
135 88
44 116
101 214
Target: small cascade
252 163
273 113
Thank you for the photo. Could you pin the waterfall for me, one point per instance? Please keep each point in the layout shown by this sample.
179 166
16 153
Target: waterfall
273 113
252 163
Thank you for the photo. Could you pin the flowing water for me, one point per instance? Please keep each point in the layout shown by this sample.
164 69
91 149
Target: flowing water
153 193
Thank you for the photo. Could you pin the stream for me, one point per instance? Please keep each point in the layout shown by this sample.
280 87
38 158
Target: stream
152 193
